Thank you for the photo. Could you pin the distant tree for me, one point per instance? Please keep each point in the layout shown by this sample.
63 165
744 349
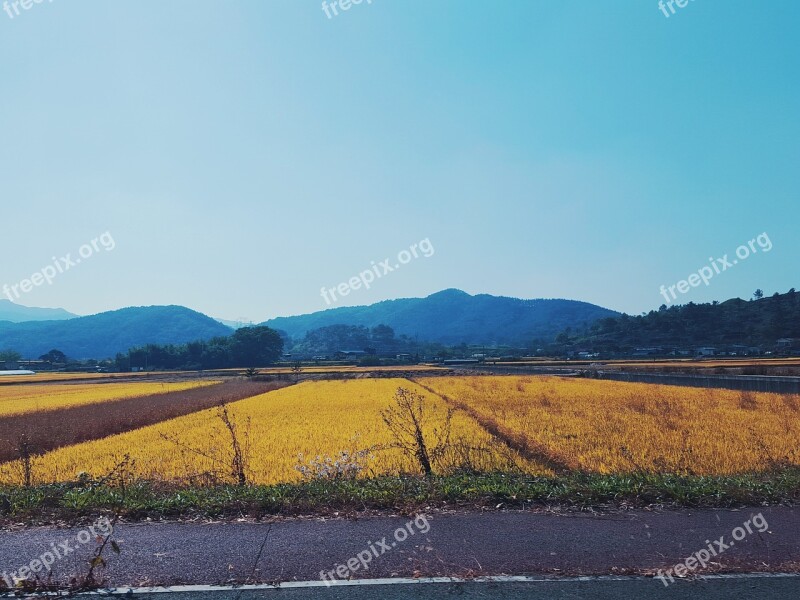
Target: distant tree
255 346
122 362
54 356
333 338
10 356
216 353
758 294
382 336
297 368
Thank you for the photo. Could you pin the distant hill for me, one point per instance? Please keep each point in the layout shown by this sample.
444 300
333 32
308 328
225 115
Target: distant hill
734 322
103 335
235 324
16 313
453 317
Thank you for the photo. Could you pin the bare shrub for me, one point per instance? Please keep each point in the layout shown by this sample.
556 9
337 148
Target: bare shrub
240 455
233 463
297 369
420 431
26 453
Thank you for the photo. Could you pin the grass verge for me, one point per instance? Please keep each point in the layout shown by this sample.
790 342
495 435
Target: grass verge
74 502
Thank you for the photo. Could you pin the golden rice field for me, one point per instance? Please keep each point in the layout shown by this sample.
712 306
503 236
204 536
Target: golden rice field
590 425
309 419
47 377
609 426
17 400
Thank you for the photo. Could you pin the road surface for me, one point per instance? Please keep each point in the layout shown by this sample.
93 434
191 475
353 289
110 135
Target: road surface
438 545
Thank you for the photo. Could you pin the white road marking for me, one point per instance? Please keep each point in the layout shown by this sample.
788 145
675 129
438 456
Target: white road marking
197 589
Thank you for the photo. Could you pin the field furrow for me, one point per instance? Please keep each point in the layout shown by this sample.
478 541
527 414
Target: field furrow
518 441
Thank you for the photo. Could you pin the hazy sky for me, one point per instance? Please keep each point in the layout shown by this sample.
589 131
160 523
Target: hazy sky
244 154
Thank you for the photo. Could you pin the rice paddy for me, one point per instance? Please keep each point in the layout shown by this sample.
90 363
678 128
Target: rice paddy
500 424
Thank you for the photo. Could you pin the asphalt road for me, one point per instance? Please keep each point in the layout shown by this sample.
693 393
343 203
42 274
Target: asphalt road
744 586
450 545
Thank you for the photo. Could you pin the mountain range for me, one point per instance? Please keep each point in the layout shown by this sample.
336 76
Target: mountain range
452 317
105 334
16 313
447 317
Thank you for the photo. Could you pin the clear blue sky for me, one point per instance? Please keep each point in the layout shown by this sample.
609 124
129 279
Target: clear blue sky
244 154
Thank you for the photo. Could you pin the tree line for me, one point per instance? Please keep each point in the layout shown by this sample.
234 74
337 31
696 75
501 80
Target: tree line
251 347
759 322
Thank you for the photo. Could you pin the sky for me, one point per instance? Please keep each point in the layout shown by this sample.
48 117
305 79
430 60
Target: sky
238 157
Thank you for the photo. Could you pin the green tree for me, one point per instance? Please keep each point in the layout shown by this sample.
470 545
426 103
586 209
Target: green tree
10 356
54 356
255 346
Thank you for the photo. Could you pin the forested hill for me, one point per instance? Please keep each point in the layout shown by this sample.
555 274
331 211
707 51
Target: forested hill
455 317
751 323
105 334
